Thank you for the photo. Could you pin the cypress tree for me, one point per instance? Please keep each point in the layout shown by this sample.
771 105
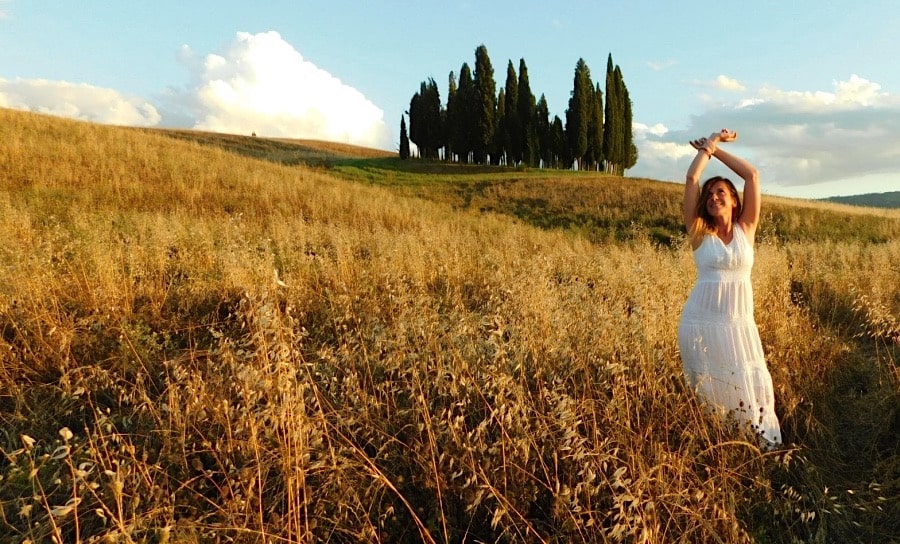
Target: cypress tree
578 114
562 158
460 124
416 122
594 155
465 108
486 100
613 122
628 149
436 116
426 120
451 122
499 145
510 122
404 139
618 139
545 136
530 146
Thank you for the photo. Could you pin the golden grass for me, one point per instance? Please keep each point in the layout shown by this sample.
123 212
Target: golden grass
282 150
203 347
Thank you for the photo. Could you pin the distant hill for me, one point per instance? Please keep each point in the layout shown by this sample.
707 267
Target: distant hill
875 200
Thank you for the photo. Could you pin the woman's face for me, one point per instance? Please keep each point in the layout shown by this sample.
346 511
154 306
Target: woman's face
719 201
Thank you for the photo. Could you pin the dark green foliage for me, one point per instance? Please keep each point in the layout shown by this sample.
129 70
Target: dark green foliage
544 134
426 120
527 110
461 115
610 130
579 112
618 141
594 155
563 157
404 139
486 100
628 157
510 127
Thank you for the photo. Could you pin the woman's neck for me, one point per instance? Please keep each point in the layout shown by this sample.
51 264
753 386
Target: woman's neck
724 228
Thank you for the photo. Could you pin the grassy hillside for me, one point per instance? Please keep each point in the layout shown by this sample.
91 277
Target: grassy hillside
283 151
600 207
204 340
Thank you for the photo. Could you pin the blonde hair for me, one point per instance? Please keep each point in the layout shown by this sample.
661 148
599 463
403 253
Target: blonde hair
704 223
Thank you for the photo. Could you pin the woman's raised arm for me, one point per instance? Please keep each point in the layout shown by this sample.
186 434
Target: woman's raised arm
750 210
705 148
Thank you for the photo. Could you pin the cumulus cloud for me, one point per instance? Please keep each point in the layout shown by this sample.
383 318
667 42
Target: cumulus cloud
728 84
77 101
852 94
795 138
721 82
257 83
260 83
656 153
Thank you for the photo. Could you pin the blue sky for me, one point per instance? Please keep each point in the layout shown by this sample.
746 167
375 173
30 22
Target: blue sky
811 87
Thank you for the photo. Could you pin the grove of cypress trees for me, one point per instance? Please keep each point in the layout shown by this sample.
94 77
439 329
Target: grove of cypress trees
480 125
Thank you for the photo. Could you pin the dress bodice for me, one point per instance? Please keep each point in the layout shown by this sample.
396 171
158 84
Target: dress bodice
717 260
723 289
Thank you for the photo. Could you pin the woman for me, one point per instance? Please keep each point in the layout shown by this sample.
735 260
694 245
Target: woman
717 335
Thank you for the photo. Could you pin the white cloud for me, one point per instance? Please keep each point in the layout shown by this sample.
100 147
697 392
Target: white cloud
851 94
639 129
728 84
77 101
260 83
257 83
795 138
721 82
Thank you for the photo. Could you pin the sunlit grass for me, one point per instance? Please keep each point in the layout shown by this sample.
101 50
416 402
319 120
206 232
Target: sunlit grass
201 346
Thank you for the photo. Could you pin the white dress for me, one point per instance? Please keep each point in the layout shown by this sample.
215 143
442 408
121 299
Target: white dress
720 346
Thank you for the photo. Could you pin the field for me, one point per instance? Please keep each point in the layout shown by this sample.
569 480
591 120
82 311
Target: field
215 338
